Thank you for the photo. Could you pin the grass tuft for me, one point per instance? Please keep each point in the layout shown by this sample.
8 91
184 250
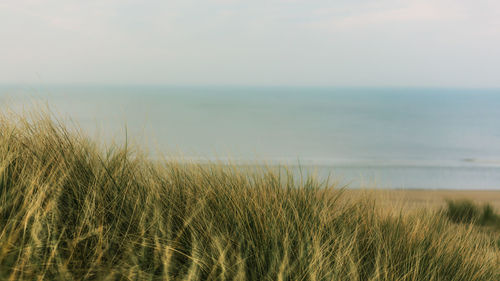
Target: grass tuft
462 211
488 216
466 211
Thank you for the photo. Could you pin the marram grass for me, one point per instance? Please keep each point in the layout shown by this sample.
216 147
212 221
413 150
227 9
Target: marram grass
73 210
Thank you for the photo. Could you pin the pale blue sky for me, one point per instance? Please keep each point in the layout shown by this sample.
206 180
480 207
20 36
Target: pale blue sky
429 43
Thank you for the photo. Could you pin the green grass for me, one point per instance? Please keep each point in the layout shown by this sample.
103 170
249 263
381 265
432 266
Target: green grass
466 211
71 209
462 211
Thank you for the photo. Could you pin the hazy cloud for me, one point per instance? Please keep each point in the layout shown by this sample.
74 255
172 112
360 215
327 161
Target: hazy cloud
364 43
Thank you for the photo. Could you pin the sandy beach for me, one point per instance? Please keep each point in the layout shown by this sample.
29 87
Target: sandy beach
419 198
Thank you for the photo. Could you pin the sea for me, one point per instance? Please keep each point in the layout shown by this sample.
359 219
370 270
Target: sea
399 138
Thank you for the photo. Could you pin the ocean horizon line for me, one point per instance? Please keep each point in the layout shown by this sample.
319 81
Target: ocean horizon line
249 86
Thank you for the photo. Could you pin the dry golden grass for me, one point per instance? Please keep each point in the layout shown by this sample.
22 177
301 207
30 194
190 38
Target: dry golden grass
72 210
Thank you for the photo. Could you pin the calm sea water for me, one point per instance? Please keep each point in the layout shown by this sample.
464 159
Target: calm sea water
396 138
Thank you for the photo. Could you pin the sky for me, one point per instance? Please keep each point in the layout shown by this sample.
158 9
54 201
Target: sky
423 43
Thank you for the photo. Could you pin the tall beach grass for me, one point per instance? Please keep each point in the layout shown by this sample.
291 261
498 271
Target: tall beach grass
71 209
